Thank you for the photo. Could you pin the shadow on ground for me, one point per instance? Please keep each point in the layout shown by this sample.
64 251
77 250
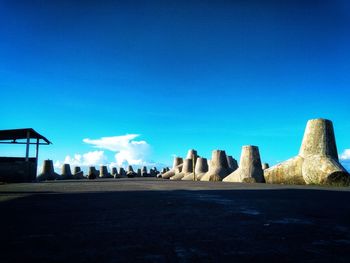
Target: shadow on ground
285 225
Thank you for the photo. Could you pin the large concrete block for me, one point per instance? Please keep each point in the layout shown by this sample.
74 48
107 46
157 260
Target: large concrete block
78 173
92 173
317 161
218 168
48 172
200 169
232 163
265 166
144 172
289 172
121 173
186 169
130 172
177 167
114 171
104 172
66 172
250 168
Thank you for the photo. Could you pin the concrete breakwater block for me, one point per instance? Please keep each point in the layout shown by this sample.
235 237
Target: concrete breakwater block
317 161
177 167
104 172
121 173
250 167
48 172
191 153
114 172
200 169
92 173
66 172
218 168
187 168
130 172
232 163
265 166
144 172
78 173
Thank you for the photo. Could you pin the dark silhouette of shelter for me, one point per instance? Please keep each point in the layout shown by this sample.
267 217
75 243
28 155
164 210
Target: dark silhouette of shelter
20 169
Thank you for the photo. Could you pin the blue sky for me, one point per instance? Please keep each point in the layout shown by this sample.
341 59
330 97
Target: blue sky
180 74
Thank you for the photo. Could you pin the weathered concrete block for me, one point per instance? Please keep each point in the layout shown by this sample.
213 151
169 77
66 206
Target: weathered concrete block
114 171
232 163
186 169
66 172
317 161
218 168
144 172
289 172
130 172
104 172
92 173
177 167
250 168
48 172
121 173
78 173
200 169
265 166
191 153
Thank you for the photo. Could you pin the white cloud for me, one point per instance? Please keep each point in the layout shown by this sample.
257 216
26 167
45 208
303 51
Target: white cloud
128 151
87 159
345 159
345 155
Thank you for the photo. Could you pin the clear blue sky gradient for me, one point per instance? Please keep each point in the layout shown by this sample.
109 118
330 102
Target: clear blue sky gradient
183 74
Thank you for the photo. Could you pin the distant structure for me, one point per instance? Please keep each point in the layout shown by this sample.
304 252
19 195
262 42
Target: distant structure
152 172
144 171
218 168
121 172
48 172
104 172
66 172
155 172
114 172
317 161
78 173
250 168
130 172
92 173
20 169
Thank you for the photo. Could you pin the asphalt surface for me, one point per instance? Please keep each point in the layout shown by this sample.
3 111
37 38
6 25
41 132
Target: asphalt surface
155 220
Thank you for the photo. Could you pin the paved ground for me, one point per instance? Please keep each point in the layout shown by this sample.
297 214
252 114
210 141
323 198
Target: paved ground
154 220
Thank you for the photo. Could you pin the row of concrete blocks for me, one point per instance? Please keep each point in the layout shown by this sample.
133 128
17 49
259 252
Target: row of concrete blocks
316 163
48 172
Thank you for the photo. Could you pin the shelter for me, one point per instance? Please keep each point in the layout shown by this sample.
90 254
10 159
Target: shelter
20 169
